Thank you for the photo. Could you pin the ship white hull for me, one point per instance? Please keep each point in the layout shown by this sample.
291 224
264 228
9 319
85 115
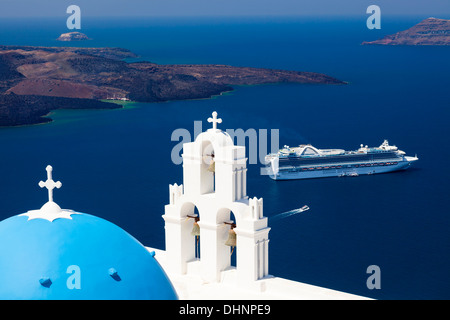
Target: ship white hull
293 174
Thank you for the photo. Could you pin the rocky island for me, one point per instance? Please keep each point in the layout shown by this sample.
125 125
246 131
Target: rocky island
35 80
429 32
72 36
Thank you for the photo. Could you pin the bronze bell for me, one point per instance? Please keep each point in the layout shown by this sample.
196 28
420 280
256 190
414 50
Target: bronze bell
231 241
212 166
196 229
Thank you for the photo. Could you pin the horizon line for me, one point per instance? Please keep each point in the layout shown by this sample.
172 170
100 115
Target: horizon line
9 17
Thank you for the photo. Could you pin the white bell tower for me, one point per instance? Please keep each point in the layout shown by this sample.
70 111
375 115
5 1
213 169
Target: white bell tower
215 182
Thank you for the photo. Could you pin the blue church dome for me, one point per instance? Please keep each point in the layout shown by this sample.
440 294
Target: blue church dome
85 257
55 254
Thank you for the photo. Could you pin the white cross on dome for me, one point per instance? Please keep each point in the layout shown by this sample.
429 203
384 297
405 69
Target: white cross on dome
49 211
50 184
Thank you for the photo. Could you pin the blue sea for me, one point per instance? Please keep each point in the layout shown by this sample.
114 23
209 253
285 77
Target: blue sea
116 164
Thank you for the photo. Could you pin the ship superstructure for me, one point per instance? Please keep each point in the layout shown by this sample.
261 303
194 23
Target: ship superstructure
306 161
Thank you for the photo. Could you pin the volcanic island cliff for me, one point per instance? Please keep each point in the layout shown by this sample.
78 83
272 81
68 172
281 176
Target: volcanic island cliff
429 32
36 80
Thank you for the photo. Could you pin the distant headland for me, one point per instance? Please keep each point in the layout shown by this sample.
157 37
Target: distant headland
429 32
35 80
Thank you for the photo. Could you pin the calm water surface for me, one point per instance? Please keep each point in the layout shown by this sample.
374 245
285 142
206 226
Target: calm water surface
116 163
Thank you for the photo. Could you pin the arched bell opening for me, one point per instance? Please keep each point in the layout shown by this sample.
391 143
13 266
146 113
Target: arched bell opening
228 237
195 232
232 239
208 168
192 215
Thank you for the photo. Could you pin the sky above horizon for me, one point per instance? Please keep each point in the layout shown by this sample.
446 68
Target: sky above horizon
176 8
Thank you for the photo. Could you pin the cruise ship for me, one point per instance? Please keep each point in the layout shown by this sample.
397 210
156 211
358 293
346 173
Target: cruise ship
306 161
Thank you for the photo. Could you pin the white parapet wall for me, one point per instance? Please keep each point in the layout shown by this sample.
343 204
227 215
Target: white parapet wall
191 286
